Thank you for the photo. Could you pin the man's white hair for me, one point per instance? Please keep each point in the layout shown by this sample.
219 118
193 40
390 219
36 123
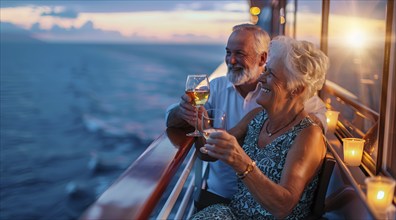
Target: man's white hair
261 37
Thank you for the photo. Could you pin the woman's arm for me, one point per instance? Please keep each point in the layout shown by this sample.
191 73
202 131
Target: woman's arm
302 163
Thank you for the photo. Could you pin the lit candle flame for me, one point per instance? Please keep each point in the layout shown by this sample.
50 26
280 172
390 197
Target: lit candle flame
331 120
380 195
380 192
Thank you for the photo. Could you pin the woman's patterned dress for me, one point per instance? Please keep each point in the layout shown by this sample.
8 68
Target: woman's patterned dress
270 160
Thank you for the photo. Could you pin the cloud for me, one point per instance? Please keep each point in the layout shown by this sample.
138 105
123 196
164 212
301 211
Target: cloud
13 33
88 26
69 20
192 38
89 33
196 6
36 27
229 6
234 7
85 33
100 6
95 6
68 13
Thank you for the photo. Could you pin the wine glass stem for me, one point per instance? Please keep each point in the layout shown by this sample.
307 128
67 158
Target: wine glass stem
196 117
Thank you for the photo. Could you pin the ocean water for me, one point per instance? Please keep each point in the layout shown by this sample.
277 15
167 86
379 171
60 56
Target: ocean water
75 116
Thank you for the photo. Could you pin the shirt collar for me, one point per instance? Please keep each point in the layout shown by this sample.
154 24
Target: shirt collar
230 85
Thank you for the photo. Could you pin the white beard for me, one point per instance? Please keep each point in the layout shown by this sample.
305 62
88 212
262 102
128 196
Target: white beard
242 76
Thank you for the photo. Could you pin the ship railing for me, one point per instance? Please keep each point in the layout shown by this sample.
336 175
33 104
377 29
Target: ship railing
359 121
140 189
362 121
362 124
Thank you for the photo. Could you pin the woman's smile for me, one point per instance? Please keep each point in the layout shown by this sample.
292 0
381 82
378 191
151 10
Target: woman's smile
265 90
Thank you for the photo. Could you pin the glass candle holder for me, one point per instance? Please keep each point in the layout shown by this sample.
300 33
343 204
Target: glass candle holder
353 151
331 119
380 192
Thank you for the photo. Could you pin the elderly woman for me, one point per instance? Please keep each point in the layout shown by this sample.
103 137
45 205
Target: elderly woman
283 148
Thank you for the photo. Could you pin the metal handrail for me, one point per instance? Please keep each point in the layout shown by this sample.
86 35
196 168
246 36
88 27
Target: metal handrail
167 208
350 99
186 200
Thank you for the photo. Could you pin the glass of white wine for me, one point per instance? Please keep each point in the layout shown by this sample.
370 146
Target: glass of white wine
212 121
197 87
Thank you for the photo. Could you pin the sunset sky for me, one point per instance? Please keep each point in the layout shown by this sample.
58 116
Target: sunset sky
140 21
177 21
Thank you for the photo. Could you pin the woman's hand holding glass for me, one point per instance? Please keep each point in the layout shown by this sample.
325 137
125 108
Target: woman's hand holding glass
225 147
218 145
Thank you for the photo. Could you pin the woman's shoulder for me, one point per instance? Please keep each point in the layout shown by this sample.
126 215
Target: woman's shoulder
309 131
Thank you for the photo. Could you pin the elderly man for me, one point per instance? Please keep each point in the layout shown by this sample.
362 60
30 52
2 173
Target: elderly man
235 94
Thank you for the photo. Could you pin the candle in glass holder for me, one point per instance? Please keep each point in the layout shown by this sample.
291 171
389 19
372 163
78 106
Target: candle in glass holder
332 119
380 192
353 150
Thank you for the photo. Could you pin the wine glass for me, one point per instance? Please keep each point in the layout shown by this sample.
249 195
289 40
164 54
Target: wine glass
197 87
213 120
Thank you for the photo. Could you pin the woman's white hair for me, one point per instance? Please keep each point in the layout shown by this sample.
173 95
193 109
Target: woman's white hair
304 64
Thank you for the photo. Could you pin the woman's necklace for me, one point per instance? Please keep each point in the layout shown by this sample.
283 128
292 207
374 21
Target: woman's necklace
277 130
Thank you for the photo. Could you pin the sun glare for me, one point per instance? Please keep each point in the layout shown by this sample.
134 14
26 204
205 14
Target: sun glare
356 39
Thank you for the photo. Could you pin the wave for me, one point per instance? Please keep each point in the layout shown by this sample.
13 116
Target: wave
118 128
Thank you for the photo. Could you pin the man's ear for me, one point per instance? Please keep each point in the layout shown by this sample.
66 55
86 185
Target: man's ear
263 58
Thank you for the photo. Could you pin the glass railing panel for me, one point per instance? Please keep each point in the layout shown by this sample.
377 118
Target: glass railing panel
303 20
356 48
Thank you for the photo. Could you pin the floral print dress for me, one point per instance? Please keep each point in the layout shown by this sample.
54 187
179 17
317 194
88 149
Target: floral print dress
270 160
